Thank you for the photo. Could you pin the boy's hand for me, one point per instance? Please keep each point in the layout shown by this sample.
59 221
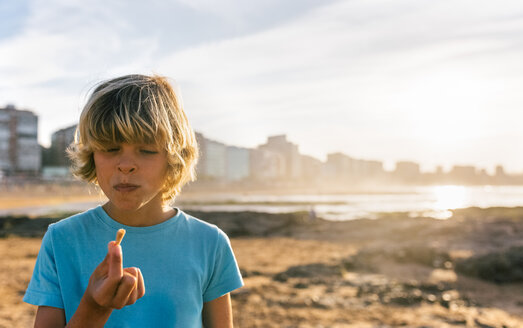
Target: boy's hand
111 286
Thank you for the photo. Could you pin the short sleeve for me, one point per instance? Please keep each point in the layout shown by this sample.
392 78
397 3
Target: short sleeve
226 275
44 287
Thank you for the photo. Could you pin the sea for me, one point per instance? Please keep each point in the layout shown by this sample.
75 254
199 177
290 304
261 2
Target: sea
430 201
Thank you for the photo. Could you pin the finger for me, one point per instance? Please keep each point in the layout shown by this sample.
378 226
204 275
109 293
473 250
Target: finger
141 284
109 285
133 297
127 284
115 261
102 269
134 293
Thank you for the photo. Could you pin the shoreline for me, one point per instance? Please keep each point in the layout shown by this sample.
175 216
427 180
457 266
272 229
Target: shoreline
332 207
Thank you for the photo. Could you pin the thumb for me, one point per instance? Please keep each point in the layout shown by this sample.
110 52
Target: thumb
114 260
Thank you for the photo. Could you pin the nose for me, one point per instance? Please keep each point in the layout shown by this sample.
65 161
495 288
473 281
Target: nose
127 164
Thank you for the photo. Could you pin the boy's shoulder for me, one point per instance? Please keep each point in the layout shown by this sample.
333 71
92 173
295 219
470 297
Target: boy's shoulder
74 221
195 223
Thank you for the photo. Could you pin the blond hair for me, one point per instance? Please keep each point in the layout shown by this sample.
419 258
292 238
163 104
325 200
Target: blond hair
136 109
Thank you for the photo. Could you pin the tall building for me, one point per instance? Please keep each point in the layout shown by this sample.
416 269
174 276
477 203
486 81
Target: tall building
238 163
289 151
364 169
463 174
408 172
500 171
266 166
19 149
311 168
338 166
60 140
212 164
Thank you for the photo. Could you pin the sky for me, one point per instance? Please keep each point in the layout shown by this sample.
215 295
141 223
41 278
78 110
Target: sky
435 82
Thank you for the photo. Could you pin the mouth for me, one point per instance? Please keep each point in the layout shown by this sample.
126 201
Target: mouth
125 187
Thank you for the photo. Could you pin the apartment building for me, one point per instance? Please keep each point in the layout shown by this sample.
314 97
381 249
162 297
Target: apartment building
20 153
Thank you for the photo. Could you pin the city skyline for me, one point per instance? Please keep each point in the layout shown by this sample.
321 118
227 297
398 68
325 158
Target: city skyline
435 83
277 162
438 168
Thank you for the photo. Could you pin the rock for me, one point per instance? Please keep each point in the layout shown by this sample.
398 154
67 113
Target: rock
281 277
24 226
449 297
241 224
366 258
422 254
479 324
434 288
499 267
323 303
301 285
313 271
246 273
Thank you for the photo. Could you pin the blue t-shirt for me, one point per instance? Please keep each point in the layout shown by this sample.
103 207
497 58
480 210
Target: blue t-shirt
184 262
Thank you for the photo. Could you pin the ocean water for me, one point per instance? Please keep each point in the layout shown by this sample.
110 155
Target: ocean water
434 202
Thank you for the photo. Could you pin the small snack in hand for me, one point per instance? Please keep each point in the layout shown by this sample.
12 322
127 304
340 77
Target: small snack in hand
119 236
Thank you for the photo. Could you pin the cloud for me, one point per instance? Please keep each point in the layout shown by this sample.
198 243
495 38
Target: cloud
361 71
414 75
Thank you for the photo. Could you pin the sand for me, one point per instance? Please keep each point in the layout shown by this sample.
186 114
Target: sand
365 273
326 298
322 300
41 195
17 256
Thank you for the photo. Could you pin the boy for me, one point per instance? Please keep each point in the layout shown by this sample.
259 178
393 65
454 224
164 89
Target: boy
135 142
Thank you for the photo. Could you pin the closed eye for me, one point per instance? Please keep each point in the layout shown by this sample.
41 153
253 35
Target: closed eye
149 152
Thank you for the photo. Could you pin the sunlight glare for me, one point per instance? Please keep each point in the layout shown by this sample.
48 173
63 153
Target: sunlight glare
449 197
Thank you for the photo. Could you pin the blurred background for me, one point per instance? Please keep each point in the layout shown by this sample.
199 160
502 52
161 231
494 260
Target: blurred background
341 109
321 97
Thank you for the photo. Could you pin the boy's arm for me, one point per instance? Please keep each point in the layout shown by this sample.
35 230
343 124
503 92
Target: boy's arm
49 317
85 316
218 312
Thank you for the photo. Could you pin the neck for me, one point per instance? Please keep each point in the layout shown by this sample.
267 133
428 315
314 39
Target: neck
142 217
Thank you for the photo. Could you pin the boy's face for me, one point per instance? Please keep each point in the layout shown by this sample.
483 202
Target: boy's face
131 175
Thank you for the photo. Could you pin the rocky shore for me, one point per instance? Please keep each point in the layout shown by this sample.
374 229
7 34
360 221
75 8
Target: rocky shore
394 271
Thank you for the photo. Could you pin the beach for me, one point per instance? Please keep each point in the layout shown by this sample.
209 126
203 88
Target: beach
391 271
